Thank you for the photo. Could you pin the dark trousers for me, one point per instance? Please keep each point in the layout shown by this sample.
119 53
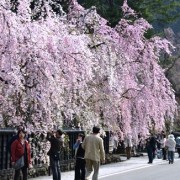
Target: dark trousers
24 173
80 169
178 150
150 154
128 152
55 167
164 153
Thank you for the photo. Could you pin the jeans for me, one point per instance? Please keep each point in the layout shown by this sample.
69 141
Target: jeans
55 166
171 156
24 173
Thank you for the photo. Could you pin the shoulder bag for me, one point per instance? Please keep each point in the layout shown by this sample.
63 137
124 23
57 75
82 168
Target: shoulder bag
19 163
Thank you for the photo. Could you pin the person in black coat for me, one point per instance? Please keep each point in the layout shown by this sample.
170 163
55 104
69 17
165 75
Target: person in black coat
56 142
80 161
151 147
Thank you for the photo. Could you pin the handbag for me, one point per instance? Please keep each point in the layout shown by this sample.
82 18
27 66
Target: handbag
19 163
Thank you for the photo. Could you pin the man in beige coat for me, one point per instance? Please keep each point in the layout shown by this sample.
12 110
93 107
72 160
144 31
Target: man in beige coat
94 153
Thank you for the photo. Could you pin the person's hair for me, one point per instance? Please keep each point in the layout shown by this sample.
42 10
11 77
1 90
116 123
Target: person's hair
59 131
21 130
81 135
96 129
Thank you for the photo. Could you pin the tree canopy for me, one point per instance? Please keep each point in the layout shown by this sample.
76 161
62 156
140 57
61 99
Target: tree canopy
74 69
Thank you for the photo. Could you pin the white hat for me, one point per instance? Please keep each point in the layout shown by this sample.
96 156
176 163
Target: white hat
171 136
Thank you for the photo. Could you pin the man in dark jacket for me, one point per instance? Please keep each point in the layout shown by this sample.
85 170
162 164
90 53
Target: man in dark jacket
80 161
151 147
54 152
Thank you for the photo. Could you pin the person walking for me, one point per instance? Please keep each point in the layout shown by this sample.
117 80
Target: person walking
21 155
178 145
128 145
171 144
79 156
54 152
151 146
94 153
163 146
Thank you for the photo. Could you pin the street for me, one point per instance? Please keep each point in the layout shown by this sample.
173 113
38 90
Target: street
162 171
134 169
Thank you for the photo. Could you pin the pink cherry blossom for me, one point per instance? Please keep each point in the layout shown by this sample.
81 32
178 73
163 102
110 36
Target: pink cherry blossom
74 67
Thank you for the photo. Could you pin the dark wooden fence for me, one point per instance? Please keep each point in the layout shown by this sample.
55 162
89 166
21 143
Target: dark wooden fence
5 136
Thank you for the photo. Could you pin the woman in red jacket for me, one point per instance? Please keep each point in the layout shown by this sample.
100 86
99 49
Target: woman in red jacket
20 147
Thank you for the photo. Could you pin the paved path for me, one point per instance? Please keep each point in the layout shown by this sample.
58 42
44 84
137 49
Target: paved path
105 170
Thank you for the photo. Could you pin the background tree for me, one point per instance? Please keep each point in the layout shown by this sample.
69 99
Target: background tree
159 13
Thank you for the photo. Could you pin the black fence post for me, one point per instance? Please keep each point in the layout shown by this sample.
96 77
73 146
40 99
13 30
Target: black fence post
5 136
6 172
